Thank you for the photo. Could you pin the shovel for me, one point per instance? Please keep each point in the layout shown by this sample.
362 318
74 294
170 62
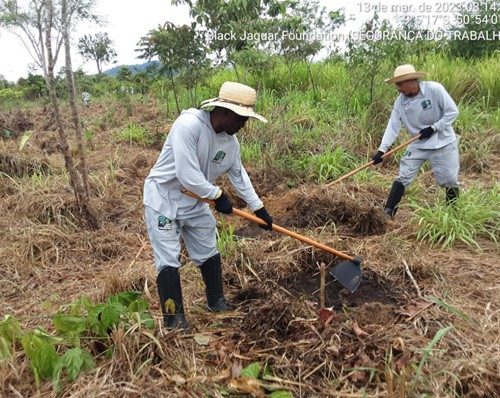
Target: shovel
388 153
347 273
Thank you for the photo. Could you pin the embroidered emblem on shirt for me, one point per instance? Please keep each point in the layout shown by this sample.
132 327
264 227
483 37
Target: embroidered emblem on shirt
426 104
219 157
164 224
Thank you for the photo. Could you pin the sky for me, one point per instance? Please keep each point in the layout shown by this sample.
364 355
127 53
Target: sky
128 21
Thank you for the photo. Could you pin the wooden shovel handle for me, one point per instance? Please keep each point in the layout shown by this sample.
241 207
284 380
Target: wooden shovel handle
388 153
276 228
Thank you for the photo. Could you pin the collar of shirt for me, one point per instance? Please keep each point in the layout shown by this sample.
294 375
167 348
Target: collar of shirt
407 101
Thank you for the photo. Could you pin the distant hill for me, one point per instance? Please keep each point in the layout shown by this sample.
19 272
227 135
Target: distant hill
134 68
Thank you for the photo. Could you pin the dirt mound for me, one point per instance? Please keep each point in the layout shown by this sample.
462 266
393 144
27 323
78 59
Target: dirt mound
320 208
373 288
270 319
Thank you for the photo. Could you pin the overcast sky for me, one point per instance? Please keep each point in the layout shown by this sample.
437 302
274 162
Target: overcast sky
129 20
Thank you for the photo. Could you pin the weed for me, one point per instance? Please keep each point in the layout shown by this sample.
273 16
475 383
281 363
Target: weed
133 133
251 153
475 213
227 242
427 352
88 135
78 322
328 165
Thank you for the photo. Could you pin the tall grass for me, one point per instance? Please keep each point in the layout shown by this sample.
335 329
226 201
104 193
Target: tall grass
476 213
487 72
456 75
329 164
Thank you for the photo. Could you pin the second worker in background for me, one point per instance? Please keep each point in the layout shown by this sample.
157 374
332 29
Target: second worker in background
425 108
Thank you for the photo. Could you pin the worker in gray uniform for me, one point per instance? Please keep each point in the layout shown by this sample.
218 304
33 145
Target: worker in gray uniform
425 108
200 147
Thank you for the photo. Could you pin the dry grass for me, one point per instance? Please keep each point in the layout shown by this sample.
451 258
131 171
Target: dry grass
377 340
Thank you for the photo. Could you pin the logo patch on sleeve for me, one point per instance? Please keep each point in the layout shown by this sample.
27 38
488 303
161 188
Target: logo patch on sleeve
219 157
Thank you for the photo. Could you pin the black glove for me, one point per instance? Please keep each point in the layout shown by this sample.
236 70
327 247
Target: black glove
426 133
264 215
377 157
223 204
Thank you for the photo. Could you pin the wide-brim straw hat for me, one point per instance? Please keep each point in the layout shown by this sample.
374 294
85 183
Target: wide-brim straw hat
405 72
237 97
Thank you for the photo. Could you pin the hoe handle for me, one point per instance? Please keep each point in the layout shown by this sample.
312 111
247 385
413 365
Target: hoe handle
276 228
388 153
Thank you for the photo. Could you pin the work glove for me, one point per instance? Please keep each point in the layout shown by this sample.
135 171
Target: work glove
377 157
426 133
223 204
265 216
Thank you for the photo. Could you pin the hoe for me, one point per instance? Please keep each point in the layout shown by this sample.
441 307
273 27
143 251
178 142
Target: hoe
347 273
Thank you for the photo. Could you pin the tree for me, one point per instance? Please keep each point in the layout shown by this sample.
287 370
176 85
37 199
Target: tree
34 86
239 30
181 51
4 83
300 28
98 48
43 27
474 28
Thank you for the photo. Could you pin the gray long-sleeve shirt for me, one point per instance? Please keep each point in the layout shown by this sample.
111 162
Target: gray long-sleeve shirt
432 106
193 157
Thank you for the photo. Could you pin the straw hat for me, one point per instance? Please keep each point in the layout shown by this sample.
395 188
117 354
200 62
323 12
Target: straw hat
237 97
405 72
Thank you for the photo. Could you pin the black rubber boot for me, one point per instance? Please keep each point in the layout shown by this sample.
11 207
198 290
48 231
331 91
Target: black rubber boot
452 195
212 276
397 192
168 282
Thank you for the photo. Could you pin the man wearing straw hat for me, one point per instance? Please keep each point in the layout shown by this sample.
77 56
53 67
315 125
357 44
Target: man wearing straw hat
200 147
425 108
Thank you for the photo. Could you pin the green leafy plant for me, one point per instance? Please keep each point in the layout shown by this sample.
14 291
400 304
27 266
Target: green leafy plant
475 213
10 331
254 371
73 362
60 356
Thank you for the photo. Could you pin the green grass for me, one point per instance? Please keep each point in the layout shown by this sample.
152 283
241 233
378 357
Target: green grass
328 165
227 242
487 72
476 213
134 133
251 153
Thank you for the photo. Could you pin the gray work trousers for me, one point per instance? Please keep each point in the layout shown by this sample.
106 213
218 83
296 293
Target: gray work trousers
444 161
198 234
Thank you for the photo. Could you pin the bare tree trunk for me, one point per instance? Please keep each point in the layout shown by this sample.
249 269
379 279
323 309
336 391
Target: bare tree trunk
70 78
175 93
86 212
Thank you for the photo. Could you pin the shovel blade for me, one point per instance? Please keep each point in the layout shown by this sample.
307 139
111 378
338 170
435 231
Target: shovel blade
348 274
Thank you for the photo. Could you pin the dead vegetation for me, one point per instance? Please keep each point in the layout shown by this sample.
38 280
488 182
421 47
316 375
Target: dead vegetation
379 341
